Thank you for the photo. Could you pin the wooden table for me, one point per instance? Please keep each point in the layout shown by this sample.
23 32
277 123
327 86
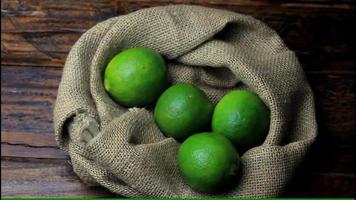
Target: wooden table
37 35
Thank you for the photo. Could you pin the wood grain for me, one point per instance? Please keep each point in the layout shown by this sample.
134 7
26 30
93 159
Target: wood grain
42 32
335 106
28 95
36 37
27 151
320 33
29 178
321 185
27 98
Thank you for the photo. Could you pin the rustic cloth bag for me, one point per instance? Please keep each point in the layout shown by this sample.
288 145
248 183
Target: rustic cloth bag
123 149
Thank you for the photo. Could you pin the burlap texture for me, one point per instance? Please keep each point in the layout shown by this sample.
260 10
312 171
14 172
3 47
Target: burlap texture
124 150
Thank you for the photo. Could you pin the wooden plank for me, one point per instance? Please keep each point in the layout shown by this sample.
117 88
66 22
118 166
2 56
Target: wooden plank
53 16
28 95
28 138
38 178
43 178
251 7
42 49
27 99
27 151
321 33
321 185
42 32
335 106
257 3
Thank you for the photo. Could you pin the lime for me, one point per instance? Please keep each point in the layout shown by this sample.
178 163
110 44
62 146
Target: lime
208 162
136 77
182 110
242 117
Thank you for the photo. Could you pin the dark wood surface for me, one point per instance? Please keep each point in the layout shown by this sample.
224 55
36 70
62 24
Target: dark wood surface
36 36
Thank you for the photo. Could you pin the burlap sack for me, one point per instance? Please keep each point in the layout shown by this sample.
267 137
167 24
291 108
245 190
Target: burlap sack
216 50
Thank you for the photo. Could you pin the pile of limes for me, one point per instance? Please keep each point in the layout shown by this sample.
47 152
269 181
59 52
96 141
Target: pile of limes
208 157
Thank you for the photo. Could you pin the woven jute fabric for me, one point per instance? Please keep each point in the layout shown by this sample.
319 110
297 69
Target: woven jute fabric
123 150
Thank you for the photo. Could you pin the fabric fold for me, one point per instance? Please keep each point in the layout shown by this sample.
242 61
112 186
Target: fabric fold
123 149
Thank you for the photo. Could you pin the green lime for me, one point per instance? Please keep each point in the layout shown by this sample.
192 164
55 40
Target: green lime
242 117
208 162
136 77
182 110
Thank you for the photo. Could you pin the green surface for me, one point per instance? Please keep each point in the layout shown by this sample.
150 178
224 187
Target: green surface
242 117
145 198
182 110
136 77
208 162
